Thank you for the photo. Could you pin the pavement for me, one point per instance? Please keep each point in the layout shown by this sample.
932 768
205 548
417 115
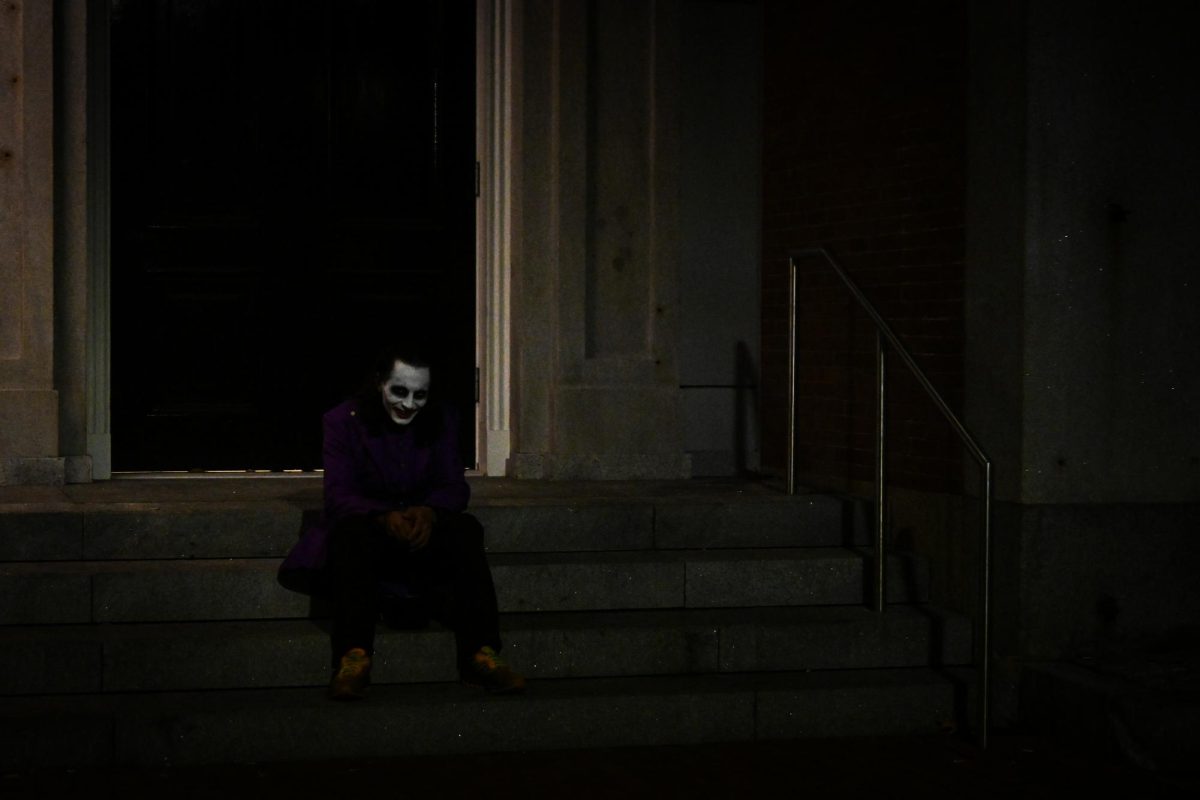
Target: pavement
1014 766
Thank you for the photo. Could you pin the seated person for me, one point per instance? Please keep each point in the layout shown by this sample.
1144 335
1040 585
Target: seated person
395 496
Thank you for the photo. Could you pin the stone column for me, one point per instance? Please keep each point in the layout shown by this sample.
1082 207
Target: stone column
28 401
596 279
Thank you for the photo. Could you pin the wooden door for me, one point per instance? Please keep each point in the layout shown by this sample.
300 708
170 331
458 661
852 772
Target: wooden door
293 184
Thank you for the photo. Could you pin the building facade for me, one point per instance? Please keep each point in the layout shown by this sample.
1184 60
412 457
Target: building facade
1013 183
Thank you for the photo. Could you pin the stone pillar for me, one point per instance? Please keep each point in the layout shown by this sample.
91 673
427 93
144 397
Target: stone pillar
596 268
28 400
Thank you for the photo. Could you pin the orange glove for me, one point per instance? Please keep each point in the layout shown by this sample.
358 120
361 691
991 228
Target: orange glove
413 525
421 519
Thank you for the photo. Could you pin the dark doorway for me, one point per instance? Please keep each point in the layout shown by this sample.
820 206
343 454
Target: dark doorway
293 184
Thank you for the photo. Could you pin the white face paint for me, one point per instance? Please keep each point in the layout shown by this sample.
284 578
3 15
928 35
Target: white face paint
405 392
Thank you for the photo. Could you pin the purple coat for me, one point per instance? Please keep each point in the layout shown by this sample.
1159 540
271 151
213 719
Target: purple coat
373 466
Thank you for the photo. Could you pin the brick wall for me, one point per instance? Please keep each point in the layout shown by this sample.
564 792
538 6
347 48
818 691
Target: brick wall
864 153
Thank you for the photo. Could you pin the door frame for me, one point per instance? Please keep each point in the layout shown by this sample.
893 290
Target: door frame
497 138
497 49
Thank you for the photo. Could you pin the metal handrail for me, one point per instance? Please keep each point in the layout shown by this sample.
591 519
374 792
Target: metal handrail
883 331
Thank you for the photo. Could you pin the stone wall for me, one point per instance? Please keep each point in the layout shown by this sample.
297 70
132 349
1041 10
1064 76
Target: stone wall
1082 288
720 208
1083 375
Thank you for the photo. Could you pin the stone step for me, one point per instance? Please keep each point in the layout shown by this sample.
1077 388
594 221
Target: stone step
262 654
300 724
268 528
41 593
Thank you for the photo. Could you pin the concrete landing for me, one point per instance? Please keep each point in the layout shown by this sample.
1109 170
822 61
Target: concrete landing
928 767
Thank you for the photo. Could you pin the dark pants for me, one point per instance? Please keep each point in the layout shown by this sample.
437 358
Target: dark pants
450 575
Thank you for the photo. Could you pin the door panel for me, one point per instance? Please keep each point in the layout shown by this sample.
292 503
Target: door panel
293 185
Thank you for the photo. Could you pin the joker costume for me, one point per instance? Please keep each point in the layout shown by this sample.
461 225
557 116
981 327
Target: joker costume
394 520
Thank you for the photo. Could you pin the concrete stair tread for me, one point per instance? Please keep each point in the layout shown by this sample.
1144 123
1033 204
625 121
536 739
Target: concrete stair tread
289 724
211 589
109 566
436 692
546 620
305 491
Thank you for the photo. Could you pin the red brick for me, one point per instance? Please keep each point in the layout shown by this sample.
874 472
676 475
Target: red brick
868 160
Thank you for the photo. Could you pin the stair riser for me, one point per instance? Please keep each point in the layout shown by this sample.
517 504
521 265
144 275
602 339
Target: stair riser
216 590
41 536
288 656
45 599
463 721
271 531
866 711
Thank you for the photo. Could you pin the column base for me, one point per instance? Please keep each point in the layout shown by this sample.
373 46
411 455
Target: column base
32 471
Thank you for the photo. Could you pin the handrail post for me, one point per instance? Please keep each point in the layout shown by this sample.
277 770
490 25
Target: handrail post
880 455
985 591
791 427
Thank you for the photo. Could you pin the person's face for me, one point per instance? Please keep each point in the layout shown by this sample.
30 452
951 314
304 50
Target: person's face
405 392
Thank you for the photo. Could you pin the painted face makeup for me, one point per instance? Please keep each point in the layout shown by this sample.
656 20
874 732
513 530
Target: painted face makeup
405 392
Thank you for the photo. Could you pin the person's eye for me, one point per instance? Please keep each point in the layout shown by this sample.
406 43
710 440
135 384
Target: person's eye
399 391
419 395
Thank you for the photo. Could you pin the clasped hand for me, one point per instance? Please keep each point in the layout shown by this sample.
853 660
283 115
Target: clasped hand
413 525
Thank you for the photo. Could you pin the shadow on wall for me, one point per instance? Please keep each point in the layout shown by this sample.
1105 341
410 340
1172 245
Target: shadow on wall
723 419
745 410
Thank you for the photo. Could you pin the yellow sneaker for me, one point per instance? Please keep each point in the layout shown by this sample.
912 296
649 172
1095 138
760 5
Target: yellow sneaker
352 677
489 671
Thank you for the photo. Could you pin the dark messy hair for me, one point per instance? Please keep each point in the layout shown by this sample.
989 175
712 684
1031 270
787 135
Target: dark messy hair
427 424
411 353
